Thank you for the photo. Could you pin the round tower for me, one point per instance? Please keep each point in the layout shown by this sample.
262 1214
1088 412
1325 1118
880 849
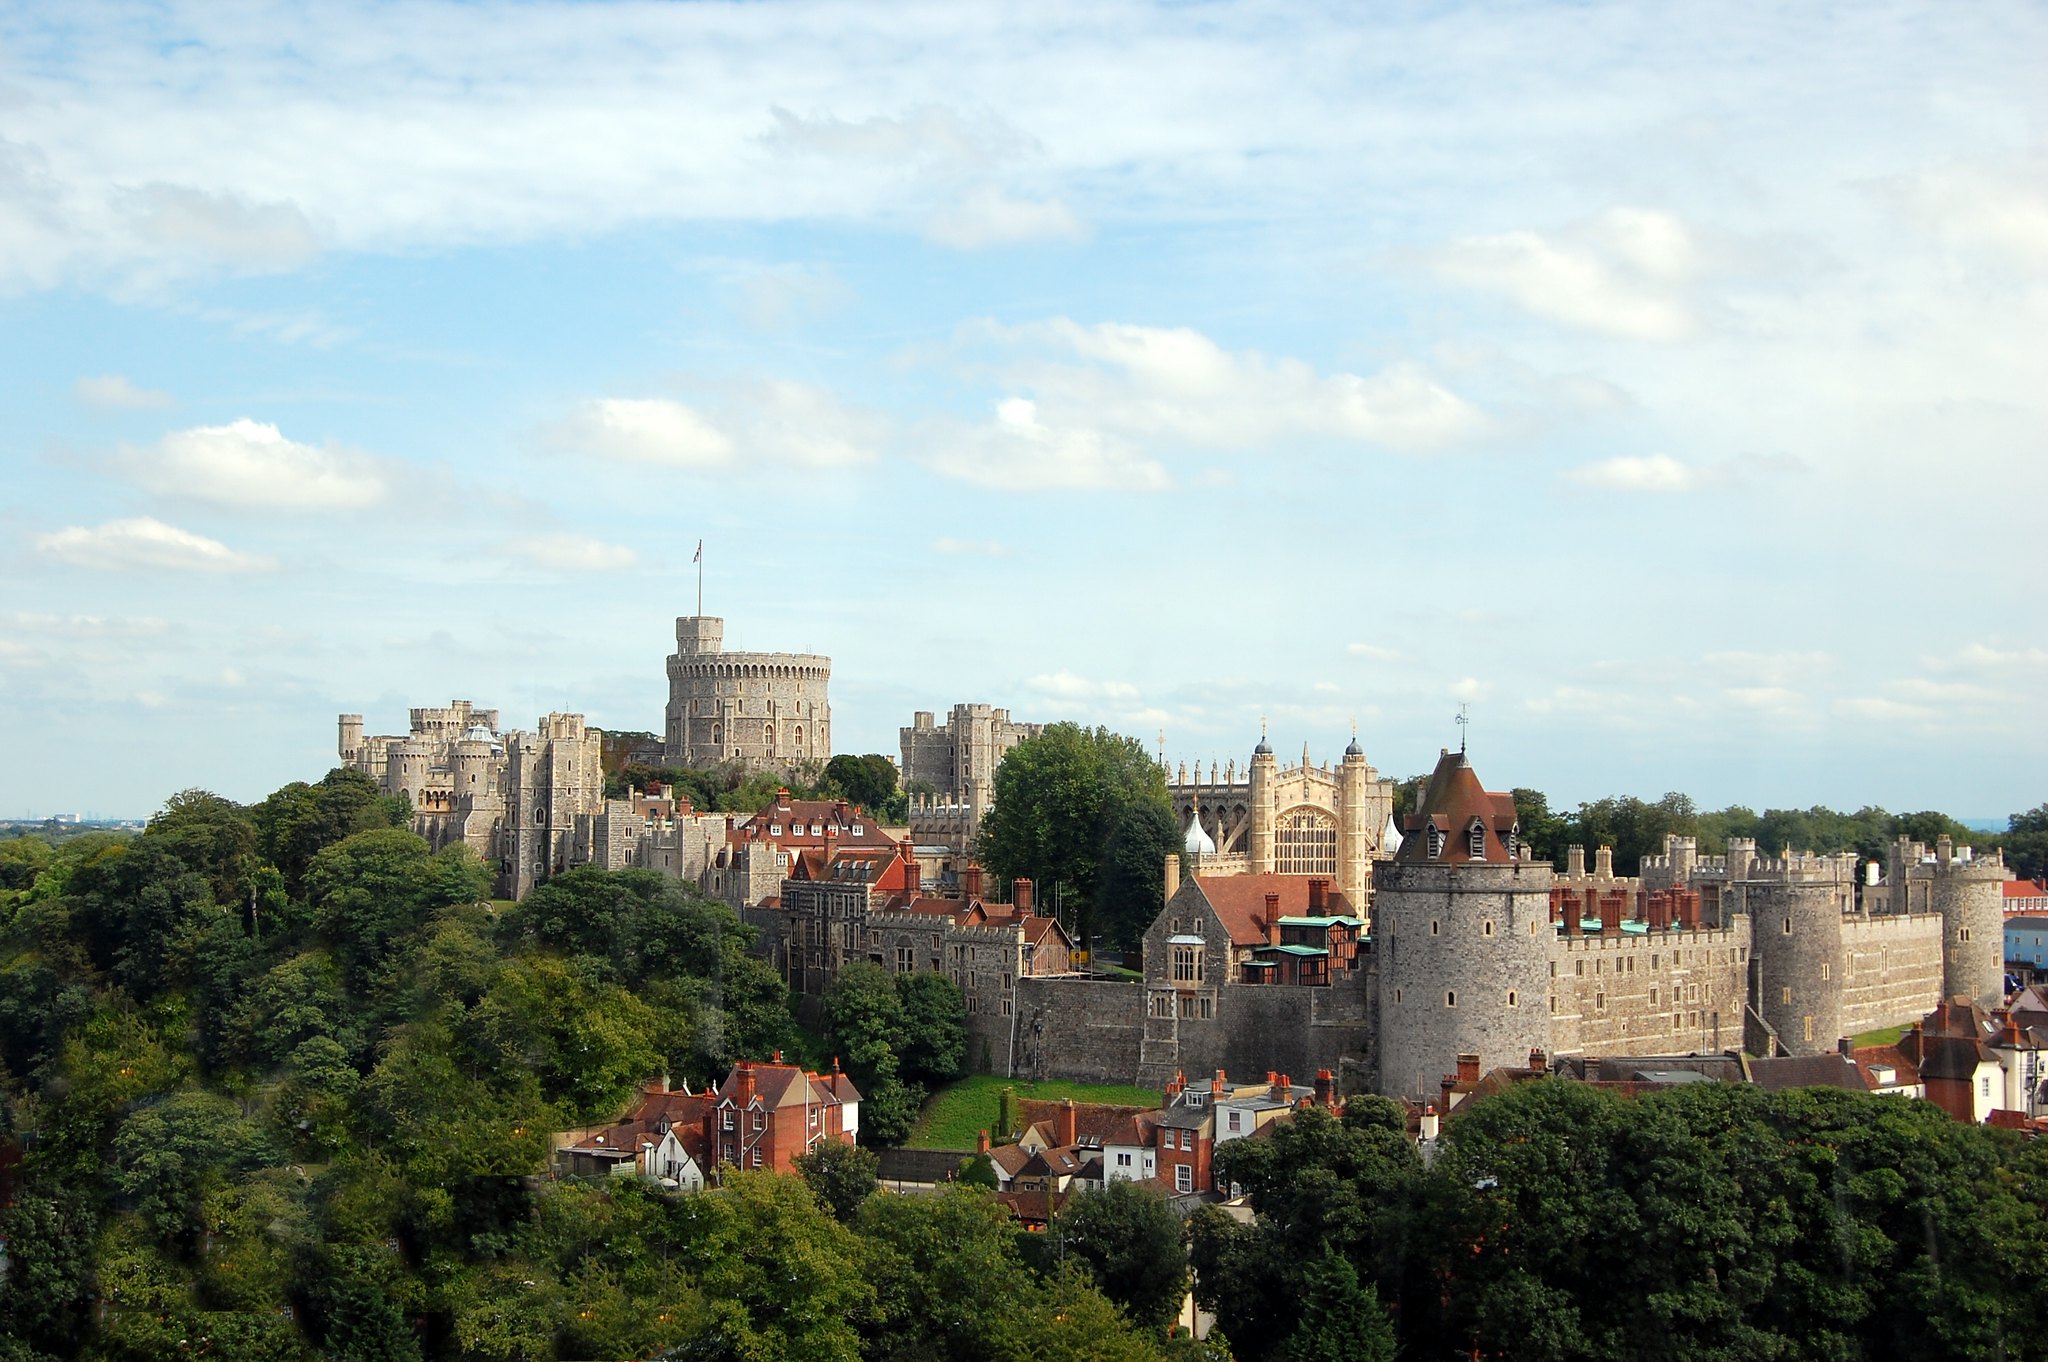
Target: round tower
472 762
405 769
350 738
1264 813
1462 938
1354 830
1970 896
1796 950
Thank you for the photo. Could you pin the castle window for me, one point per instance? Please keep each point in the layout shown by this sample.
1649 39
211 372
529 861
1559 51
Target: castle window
1965 932
1599 1002
1824 969
1579 968
1451 998
1475 840
1486 928
1653 997
1514 999
1187 964
1434 925
1553 1002
1788 926
1553 969
1785 995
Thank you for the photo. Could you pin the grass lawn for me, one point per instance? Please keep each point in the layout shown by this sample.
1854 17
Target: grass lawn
1886 1036
956 1114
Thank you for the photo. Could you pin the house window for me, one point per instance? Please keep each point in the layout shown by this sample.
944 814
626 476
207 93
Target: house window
1235 1117
1123 1160
1183 1179
756 1160
1187 1139
760 1120
725 1119
1187 964
1984 1086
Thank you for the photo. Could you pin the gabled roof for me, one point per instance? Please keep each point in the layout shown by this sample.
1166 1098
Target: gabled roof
1239 901
1867 1057
1830 1070
834 818
1095 1123
1451 803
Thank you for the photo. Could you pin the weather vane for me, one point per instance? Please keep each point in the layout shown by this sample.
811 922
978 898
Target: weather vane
1463 722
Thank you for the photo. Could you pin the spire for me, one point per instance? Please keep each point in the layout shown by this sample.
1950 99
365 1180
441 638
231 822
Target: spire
1354 750
1264 747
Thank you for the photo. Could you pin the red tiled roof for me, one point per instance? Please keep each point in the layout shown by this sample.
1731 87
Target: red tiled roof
1452 801
1240 901
1905 1073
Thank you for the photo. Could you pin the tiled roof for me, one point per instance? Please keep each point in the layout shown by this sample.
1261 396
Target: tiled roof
1451 802
1867 1057
1095 1123
1240 901
1831 1070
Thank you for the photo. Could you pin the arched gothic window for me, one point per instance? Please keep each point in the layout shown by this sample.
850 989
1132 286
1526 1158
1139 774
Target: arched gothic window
1305 843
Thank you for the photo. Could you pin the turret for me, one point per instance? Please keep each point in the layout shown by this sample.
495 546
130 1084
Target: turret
1354 823
1969 895
1463 937
1264 811
350 744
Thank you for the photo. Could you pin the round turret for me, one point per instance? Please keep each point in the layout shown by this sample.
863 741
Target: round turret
1796 934
1969 895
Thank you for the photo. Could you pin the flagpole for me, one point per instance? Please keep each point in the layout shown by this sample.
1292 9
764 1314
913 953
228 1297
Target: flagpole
699 560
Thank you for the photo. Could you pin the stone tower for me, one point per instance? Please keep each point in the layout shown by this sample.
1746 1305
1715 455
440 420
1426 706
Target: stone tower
1795 907
1462 937
1264 808
1969 895
1357 838
763 710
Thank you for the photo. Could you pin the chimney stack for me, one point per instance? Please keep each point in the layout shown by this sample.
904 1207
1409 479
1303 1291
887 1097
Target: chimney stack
1468 1068
1272 919
1318 897
971 879
743 1093
981 1143
1326 1088
1020 897
1066 1127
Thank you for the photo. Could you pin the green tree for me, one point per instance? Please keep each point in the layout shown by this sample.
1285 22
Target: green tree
583 1040
932 1045
864 1020
1129 1238
374 890
842 1176
1341 1320
2026 843
1542 831
783 1279
1060 800
869 781
299 821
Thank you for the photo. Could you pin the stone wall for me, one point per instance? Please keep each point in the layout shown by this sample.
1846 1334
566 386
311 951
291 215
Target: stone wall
1664 992
1091 1030
1889 971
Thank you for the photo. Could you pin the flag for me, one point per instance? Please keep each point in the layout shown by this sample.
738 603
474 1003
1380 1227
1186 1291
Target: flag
698 557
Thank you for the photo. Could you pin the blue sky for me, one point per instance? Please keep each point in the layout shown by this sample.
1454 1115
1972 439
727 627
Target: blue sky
1663 382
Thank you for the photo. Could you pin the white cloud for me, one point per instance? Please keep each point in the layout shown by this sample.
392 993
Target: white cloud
776 297
931 135
1662 473
2001 206
1471 688
84 626
785 422
145 544
1373 652
990 217
1064 685
114 392
572 553
1877 709
970 548
250 465
1622 273
1174 382
1018 452
656 430
182 220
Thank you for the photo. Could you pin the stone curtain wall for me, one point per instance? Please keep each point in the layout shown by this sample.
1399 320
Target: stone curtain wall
1890 970
1659 994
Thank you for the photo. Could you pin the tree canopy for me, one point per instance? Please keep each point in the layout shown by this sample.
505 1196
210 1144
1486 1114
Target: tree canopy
1084 813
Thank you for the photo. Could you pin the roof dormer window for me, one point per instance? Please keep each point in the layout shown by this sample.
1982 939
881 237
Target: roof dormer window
1475 840
1436 842
1514 840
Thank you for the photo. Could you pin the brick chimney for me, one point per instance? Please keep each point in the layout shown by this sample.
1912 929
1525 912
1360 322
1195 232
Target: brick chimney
655 1086
1066 1125
913 873
1468 1068
1539 1063
981 1143
970 879
1020 897
1318 897
743 1091
1272 919
1326 1088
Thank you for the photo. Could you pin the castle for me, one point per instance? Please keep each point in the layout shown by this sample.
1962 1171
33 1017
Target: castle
950 770
765 710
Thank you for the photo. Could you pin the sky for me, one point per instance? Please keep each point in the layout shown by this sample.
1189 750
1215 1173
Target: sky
1664 384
